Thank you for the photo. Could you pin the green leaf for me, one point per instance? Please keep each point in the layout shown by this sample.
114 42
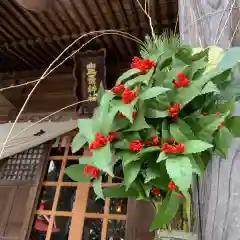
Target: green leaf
180 171
153 92
102 159
208 125
139 123
215 55
126 109
75 172
97 187
85 160
108 121
153 171
195 146
210 87
162 156
233 125
222 141
166 211
100 92
130 172
143 78
153 113
148 150
129 157
120 192
181 132
78 142
230 58
123 144
165 131
85 128
197 164
128 74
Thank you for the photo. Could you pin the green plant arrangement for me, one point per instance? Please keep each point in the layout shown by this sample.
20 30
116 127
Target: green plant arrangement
160 124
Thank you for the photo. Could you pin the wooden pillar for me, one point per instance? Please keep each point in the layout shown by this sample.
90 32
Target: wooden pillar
219 191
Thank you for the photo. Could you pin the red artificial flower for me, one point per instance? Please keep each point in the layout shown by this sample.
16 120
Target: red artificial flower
128 95
118 89
218 113
204 113
98 142
111 136
136 145
172 185
155 140
134 114
173 148
91 170
167 148
142 65
182 80
181 75
171 140
222 124
174 110
180 147
155 191
95 172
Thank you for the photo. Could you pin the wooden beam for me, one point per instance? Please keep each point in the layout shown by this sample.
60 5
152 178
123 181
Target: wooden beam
216 198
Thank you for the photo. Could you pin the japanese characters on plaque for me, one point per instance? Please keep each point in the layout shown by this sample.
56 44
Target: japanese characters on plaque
89 72
91 80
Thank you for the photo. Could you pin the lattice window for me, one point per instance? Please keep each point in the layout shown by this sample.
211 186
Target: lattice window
22 166
69 210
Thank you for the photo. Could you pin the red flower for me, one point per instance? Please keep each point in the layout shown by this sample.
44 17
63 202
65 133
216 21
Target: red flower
180 147
182 80
91 170
173 148
111 136
181 75
174 110
172 185
180 195
136 145
155 191
134 114
98 142
95 172
155 140
218 113
142 65
222 124
204 113
128 95
171 140
118 89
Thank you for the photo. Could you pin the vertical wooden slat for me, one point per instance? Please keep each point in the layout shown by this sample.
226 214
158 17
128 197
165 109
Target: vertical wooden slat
57 193
79 209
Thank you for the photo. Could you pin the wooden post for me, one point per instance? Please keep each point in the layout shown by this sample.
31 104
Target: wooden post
218 194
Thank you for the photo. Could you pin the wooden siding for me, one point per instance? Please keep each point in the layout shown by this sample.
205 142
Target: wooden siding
18 199
218 193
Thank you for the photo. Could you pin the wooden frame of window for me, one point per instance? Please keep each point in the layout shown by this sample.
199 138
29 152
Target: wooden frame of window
79 211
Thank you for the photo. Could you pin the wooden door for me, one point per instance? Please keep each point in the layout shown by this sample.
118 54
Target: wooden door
19 181
68 210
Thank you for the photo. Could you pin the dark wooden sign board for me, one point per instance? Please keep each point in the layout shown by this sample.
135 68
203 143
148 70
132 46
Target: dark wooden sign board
89 72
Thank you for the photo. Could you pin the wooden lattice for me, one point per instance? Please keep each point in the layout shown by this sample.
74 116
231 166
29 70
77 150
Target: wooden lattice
22 166
68 209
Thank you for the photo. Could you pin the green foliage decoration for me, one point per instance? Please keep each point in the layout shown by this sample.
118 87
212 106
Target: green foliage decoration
160 136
